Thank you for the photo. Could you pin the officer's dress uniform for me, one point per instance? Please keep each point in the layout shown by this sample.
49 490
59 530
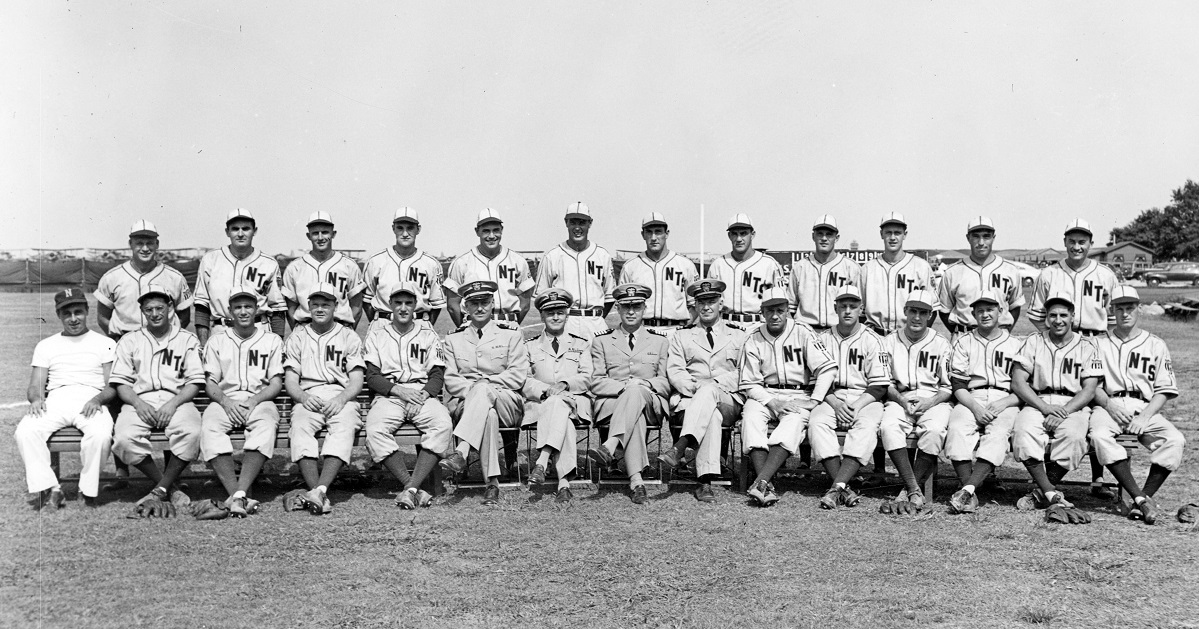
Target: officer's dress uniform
702 368
553 359
619 356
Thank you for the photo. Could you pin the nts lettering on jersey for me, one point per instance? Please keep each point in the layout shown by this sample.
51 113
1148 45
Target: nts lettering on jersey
1001 283
1071 368
755 283
506 272
676 276
857 359
925 360
903 283
420 277
172 361
257 278
1096 292
1143 364
598 271
335 356
337 280
837 280
256 358
1001 362
791 354
417 353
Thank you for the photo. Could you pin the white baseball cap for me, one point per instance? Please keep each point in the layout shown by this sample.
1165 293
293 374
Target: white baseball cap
488 215
826 220
892 217
922 297
980 222
324 288
1079 225
849 291
143 228
774 295
243 289
653 218
405 214
740 220
240 213
319 217
1125 294
578 209
988 297
411 288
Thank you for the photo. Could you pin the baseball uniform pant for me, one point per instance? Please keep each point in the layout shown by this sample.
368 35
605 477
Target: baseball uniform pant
260 429
1161 438
756 418
131 441
860 439
1068 445
628 415
930 427
992 440
63 407
480 415
342 428
556 418
387 415
704 415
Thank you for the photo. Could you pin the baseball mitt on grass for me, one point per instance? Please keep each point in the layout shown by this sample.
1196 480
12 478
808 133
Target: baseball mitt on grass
209 510
1188 513
1066 515
153 509
294 500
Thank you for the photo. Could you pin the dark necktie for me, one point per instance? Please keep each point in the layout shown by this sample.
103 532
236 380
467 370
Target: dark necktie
554 344
630 341
480 331
711 341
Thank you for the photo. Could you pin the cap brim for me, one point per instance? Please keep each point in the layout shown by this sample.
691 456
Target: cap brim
920 304
146 296
1126 300
578 215
322 294
774 302
71 302
892 222
488 220
243 293
826 226
143 232
736 225
320 222
652 223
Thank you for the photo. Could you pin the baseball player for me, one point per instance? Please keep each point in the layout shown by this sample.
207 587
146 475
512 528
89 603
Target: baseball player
980 375
584 269
888 279
817 280
854 403
486 368
243 366
785 371
405 367
236 264
403 262
323 374
918 398
1055 374
964 281
630 385
664 272
68 387
323 264
556 398
157 372
493 262
1138 381
745 273
702 368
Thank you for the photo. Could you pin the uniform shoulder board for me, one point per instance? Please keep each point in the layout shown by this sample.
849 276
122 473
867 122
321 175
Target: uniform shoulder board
465 324
506 325
605 332
581 338
687 326
735 326
656 332
534 338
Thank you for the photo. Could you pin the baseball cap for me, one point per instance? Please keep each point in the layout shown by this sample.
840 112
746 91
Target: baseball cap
488 215
987 297
143 228
240 214
69 297
849 291
320 217
1059 299
578 209
154 290
980 222
404 287
700 289
243 290
1079 225
405 214
1125 294
774 295
629 294
922 297
653 218
324 288
740 220
552 298
826 220
893 217
478 288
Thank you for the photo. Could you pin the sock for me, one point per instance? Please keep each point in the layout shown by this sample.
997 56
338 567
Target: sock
635 480
544 459
1140 499
968 489
320 489
612 444
58 487
463 449
839 485
238 494
562 482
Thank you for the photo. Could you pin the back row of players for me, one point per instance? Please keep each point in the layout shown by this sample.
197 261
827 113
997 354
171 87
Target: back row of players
830 372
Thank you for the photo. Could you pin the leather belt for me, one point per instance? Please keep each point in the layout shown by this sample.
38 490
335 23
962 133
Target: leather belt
227 322
955 328
987 386
1132 394
659 321
1055 392
786 387
386 314
504 315
741 317
1092 332
586 312
821 328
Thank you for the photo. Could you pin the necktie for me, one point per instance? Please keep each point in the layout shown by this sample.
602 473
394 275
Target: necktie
480 331
630 341
554 344
711 341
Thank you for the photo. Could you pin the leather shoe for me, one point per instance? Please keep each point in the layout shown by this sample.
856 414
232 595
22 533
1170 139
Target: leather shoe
670 458
639 495
564 495
757 491
454 463
704 493
831 498
1102 493
600 455
772 497
57 499
1149 510
537 476
407 499
491 495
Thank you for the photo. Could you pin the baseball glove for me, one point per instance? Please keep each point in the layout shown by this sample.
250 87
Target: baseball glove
1188 513
906 507
153 509
1066 515
209 510
294 500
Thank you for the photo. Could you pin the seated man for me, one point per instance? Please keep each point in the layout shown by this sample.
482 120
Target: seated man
244 367
1055 375
980 374
405 367
486 366
323 373
702 368
556 392
629 385
854 403
917 400
1138 381
67 388
157 372
785 372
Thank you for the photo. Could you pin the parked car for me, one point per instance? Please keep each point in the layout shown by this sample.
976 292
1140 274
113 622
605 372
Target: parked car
1173 272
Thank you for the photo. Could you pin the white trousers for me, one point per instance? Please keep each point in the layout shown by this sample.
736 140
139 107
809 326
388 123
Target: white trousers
63 407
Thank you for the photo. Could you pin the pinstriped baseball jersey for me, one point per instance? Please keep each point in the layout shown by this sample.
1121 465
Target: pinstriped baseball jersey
815 287
508 269
243 365
667 278
922 365
982 363
1059 368
303 274
150 364
885 288
861 361
387 268
121 285
1140 364
1090 288
220 271
321 359
964 282
793 358
746 281
404 358
586 274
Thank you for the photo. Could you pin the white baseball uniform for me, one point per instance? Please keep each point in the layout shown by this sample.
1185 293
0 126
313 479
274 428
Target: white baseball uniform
387 269
220 272
508 269
964 281
746 281
406 360
323 363
885 288
815 287
1089 288
919 370
121 285
984 368
668 279
241 368
861 363
587 275
304 273
1056 375
782 367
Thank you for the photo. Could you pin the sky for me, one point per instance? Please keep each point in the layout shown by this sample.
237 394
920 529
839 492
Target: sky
177 112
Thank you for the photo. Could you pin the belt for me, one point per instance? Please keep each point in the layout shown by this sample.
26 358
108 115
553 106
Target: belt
348 324
983 387
227 322
787 387
1055 392
821 328
586 312
955 328
1132 394
504 315
741 317
1092 332
659 321
386 314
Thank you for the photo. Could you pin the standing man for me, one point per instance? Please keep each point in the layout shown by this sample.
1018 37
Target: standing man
68 387
403 262
584 269
556 397
323 264
486 368
666 273
745 273
323 373
817 280
785 371
244 374
630 385
493 262
405 367
238 263
963 282
888 279
702 368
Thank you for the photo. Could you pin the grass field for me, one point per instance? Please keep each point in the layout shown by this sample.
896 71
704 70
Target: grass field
599 562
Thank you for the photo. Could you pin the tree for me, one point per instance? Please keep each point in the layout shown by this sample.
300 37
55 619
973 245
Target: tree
1172 232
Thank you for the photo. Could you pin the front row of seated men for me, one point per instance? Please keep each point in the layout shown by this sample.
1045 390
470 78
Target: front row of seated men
968 403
